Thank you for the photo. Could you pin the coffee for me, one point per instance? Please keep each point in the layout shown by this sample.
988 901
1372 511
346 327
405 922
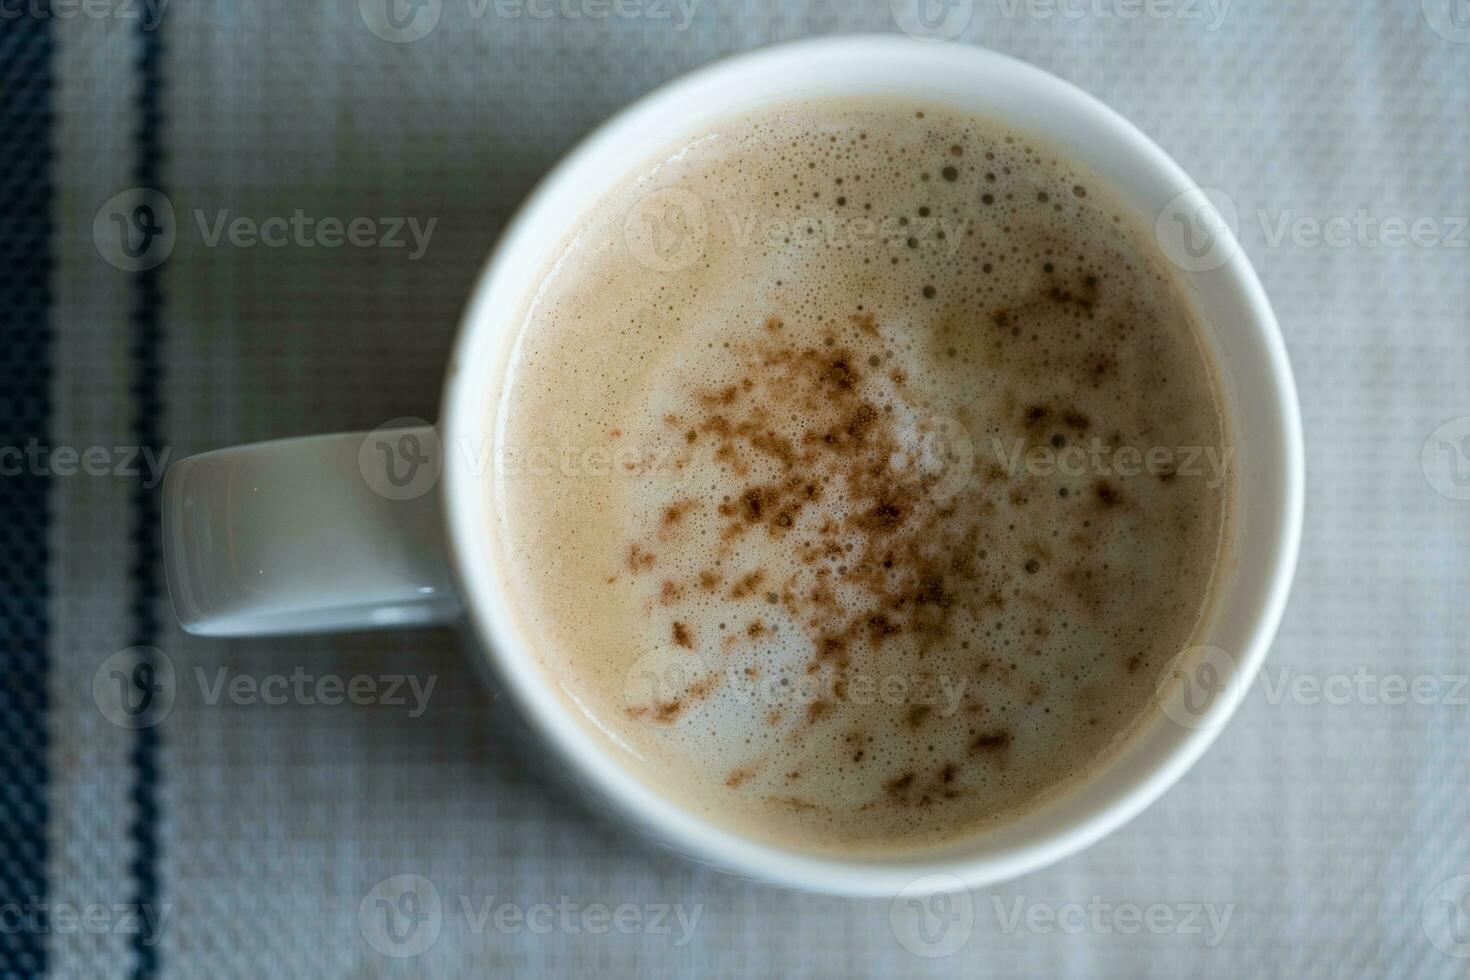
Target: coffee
860 472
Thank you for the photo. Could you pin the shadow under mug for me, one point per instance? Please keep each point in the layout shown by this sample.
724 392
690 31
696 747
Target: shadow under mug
398 526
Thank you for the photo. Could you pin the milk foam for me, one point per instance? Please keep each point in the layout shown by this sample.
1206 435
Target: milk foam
818 479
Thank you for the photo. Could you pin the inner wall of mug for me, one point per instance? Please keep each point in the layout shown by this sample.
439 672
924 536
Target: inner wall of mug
1239 332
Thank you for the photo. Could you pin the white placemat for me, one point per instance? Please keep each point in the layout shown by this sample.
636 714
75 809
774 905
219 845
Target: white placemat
1315 839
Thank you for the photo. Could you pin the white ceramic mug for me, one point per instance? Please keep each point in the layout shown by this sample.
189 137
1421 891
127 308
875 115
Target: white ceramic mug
307 534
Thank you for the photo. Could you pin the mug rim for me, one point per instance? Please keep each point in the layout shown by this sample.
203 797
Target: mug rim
651 811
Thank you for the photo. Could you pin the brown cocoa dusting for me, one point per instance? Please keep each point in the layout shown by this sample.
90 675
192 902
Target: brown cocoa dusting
990 742
747 584
674 513
808 427
667 712
638 559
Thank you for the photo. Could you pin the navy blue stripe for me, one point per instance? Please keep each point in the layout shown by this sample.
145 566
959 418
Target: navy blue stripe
26 350
147 383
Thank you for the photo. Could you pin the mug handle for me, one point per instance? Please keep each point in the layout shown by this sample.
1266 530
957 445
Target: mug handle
335 532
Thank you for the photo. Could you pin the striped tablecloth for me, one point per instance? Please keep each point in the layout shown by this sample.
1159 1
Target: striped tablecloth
216 834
